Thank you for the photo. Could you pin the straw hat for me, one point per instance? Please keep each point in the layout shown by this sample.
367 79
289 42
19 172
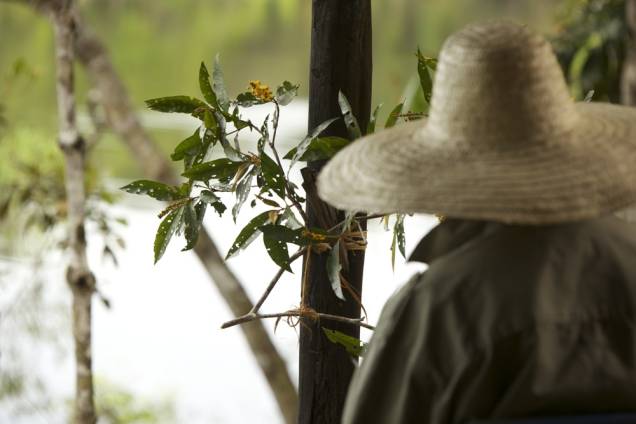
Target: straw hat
503 142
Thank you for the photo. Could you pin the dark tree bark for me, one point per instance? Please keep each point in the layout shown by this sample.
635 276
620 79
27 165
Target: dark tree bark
628 82
340 61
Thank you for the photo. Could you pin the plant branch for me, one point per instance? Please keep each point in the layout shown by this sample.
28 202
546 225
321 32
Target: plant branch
297 313
273 282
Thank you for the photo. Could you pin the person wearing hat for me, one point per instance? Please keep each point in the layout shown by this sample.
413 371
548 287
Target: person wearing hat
528 305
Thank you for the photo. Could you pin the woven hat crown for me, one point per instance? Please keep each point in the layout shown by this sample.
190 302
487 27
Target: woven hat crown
499 83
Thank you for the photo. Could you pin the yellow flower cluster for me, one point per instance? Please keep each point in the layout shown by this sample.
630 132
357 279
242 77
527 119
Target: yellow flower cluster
261 91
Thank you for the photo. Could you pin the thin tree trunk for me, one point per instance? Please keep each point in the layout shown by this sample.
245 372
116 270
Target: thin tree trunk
340 61
122 118
628 80
79 276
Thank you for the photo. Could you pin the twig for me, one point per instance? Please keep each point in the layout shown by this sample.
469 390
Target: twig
288 188
296 313
273 282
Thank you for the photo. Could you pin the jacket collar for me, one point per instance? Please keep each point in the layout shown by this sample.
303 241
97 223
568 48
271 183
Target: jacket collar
448 236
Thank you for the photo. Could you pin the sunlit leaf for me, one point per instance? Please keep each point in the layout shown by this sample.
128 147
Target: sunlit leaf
289 219
247 99
321 148
273 174
350 120
248 234
167 228
206 87
153 189
222 169
178 104
393 116
353 346
285 93
333 270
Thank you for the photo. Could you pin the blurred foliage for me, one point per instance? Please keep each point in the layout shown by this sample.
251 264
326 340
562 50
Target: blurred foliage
115 405
590 45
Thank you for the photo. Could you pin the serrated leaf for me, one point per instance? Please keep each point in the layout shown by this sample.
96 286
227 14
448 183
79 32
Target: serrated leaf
304 144
192 223
373 119
333 271
222 169
206 87
191 146
264 139
248 234
167 228
273 174
285 93
153 189
176 104
321 148
242 192
353 346
277 250
393 116
353 128
218 85
401 238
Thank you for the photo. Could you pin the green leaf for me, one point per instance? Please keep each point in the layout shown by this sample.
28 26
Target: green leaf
206 87
153 189
353 346
277 250
191 146
166 229
212 199
286 234
304 144
247 99
393 116
285 93
350 120
177 104
289 219
321 148
399 239
192 223
333 270
424 66
242 192
264 139
248 234
274 175
218 85
222 169
374 119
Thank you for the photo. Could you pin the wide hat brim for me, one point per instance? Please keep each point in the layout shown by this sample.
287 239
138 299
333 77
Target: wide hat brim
586 172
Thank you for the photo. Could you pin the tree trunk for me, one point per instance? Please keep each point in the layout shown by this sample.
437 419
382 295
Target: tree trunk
340 61
79 276
123 120
628 80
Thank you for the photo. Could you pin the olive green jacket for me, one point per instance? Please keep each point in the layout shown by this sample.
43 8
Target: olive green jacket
507 321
